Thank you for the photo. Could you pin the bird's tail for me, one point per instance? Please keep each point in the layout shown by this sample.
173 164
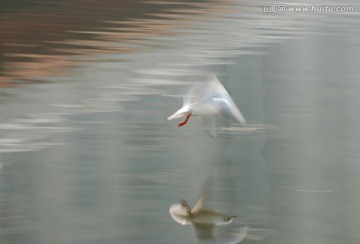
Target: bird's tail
178 114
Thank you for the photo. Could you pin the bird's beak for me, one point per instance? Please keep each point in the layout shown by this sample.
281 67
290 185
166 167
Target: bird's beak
178 114
232 218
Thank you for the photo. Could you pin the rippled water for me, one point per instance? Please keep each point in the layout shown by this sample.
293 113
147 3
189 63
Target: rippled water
86 152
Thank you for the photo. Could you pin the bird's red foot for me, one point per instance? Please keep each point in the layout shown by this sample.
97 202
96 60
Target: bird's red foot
185 121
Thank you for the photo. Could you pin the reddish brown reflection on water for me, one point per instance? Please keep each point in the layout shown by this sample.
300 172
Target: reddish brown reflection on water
45 39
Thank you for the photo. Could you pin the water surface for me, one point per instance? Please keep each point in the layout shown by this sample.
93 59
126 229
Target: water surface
86 152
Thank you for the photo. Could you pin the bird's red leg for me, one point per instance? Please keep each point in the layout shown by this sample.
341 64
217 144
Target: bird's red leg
185 121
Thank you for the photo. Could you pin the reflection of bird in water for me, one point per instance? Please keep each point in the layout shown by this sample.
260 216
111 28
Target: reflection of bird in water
207 100
205 221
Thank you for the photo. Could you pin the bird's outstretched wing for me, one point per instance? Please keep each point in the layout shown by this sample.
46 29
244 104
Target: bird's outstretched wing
199 92
204 197
192 94
199 204
217 92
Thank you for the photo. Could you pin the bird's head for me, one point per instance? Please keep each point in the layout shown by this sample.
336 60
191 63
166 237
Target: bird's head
227 219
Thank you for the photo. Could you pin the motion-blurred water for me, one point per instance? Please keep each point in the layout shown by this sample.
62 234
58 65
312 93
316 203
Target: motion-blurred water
86 152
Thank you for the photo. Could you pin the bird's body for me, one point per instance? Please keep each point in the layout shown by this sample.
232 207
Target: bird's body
201 216
207 100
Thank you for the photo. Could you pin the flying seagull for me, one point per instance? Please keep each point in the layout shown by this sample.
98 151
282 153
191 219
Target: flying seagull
206 100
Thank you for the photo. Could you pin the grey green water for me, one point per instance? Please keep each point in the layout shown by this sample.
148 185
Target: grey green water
86 152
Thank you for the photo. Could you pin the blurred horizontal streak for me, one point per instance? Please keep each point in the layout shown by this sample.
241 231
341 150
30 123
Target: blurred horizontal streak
169 72
28 137
314 191
37 67
167 2
168 176
35 131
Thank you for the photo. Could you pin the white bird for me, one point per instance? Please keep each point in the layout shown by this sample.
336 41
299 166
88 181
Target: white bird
205 221
207 100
